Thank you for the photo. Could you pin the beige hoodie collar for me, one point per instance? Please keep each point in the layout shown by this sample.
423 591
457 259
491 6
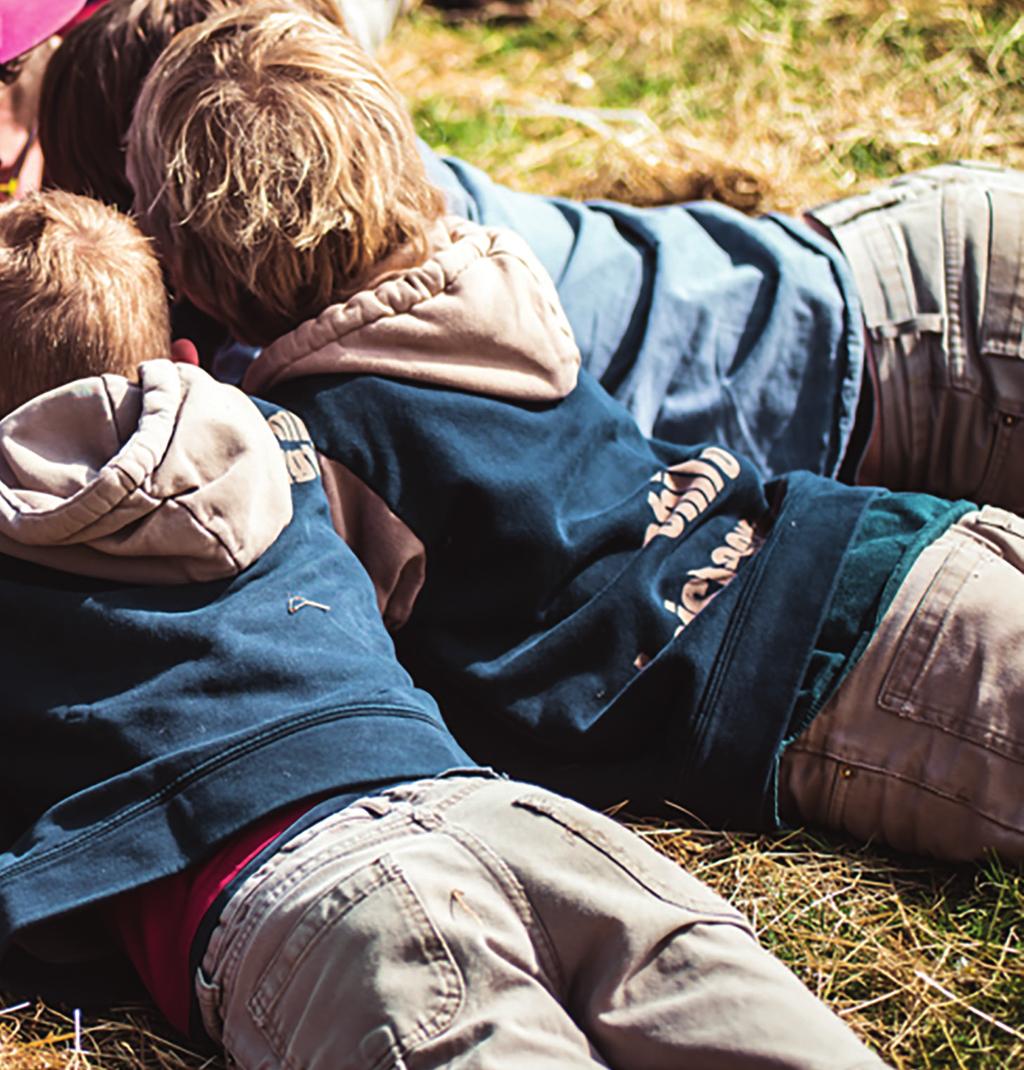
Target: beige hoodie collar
480 314
174 479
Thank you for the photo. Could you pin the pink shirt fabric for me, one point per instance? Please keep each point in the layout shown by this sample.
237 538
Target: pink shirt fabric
156 923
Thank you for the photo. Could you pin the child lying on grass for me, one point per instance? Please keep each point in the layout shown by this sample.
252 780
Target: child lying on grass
212 758
709 325
616 617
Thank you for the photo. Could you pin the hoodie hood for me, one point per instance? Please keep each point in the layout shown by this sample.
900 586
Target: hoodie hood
480 314
174 479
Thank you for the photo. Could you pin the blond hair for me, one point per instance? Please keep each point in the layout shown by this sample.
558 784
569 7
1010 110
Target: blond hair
81 293
93 80
276 167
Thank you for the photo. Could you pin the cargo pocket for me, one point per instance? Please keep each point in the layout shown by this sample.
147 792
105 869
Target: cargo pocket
948 668
1001 332
1001 349
361 978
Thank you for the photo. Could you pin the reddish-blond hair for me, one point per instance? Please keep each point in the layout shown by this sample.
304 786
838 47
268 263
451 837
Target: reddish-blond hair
81 293
276 167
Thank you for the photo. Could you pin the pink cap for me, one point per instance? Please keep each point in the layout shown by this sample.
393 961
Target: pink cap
24 23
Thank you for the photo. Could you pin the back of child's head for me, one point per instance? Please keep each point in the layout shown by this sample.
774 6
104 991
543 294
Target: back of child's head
93 79
276 167
90 87
81 293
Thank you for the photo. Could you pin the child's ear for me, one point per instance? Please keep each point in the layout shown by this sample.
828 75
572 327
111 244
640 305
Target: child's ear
184 352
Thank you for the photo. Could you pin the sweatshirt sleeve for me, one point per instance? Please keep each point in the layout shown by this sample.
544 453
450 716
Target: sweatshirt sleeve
391 553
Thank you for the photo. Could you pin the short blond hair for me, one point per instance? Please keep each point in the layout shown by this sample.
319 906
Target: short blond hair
93 80
276 167
81 293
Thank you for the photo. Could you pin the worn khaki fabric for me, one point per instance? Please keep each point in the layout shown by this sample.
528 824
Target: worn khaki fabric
478 923
922 745
938 258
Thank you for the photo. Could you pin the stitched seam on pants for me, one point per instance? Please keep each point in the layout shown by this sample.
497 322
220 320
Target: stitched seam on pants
1006 343
914 659
997 742
890 775
261 1005
377 830
252 911
517 895
835 797
919 374
952 233
386 875
609 850
905 367
994 474
421 801
991 516
243 919
918 649
434 815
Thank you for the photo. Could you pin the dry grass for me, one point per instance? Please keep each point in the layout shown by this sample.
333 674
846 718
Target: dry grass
925 962
810 98
37 1037
762 103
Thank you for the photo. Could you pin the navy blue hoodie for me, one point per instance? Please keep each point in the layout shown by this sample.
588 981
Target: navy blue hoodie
178 661
618 618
